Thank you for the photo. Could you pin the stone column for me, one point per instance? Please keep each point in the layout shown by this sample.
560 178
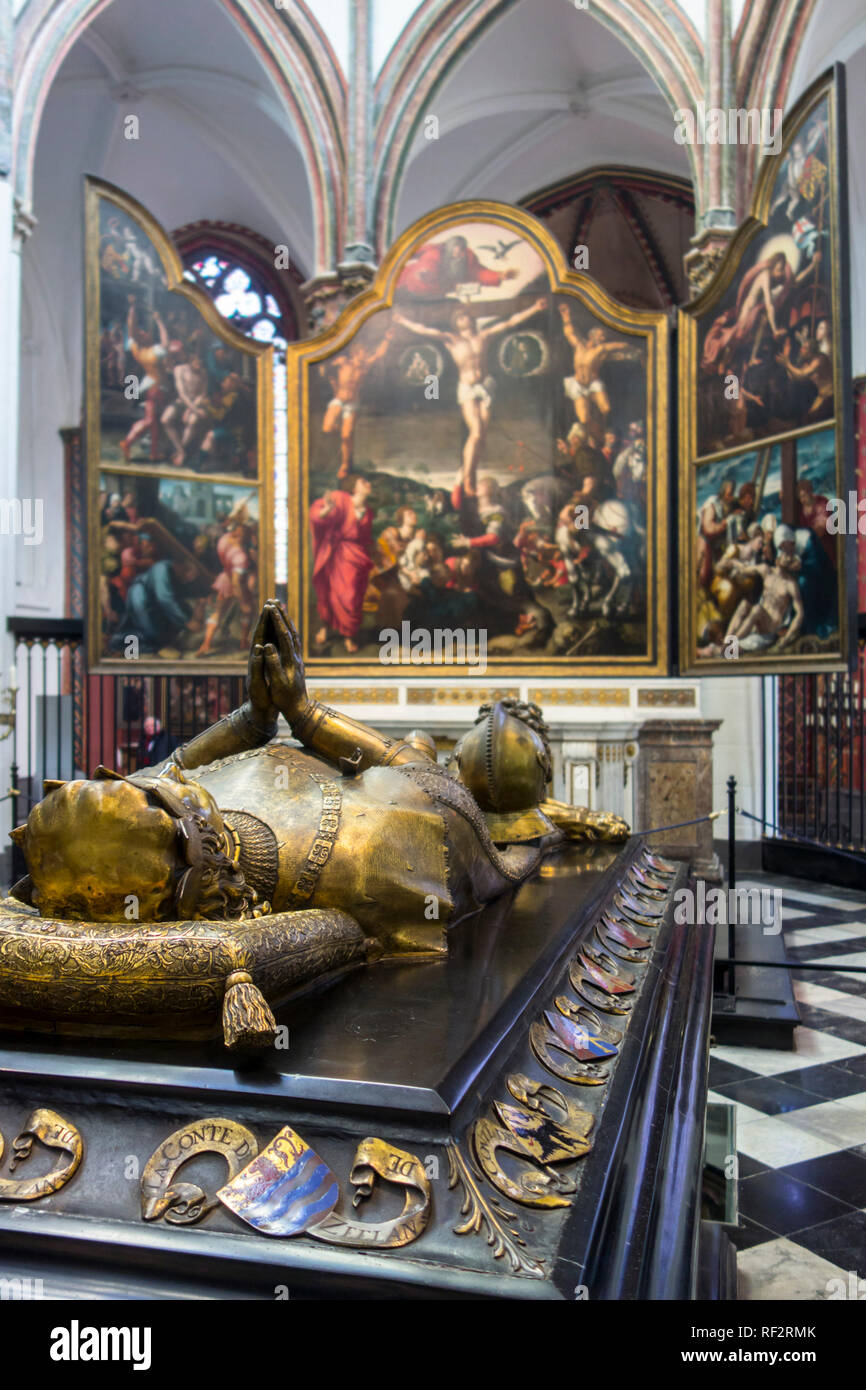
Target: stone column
326 295
718 220
16 225
675 784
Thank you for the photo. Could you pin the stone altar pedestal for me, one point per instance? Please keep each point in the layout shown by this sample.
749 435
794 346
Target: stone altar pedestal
675 784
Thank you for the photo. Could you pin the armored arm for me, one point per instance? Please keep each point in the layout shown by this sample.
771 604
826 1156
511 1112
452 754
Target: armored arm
336 736
250 726
349 742
243 728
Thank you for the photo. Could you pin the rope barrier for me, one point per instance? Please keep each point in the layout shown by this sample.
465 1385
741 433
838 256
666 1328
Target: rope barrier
660 829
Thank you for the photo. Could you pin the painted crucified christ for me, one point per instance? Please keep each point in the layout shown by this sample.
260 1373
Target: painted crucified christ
468 347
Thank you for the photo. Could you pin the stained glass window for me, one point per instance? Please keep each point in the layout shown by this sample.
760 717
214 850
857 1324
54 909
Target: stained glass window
242 295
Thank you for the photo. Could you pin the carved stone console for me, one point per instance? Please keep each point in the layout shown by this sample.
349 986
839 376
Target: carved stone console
675 784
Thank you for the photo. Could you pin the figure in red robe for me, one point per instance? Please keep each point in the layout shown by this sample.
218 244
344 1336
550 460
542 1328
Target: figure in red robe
440 266
342 527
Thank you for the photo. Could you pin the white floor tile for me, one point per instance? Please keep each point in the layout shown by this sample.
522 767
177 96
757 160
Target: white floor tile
854 903
823 936
852 958
838 1122
781 1269
810 993
745 1113
810 1048
772 1143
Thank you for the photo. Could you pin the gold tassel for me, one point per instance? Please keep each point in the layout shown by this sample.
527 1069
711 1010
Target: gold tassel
247 1018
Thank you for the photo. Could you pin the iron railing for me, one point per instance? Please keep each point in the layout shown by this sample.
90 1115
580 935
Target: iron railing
69 722
821 757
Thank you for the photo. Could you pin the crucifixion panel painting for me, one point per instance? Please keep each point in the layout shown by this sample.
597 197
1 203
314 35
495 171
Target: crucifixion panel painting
479 445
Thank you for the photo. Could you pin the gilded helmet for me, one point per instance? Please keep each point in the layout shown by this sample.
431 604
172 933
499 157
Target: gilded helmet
505 762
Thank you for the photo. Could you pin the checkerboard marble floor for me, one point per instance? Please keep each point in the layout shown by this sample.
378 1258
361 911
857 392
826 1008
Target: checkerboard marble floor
801 1115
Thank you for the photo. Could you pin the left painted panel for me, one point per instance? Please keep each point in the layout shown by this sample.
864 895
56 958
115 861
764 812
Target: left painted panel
178 428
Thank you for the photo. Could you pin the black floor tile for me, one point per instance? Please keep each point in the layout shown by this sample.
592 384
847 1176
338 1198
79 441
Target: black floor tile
857 1065
829 1080
748 1167
842 1241
722 1073
854 984
748 1233
833 979
823 917
823 1021
813 1017
784 1205
851 1029
825 951
769 1094
842 1174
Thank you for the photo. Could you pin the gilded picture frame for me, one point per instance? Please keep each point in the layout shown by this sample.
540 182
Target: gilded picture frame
178 428
765 425
479 437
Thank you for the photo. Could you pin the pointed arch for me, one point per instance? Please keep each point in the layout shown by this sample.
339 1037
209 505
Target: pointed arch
291 46
766 49
439 35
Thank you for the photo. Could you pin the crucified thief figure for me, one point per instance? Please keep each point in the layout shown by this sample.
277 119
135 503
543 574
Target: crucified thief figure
585 388
346 374
468 346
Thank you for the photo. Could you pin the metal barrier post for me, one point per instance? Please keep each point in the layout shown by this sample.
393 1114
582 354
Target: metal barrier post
732 880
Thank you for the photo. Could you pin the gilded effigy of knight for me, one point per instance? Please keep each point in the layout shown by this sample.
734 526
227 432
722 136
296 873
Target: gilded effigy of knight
249 867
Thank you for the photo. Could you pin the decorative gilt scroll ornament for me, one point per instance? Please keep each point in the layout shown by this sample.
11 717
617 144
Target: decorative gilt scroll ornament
636 919
544 1127
56 1133
605 972
530 1132
621 941
374 1158
570 1050
594 992
288 1190
643 886
642 908
184 1203
573 1122
588 1020
622 933
487 1215
535 1186
658 865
